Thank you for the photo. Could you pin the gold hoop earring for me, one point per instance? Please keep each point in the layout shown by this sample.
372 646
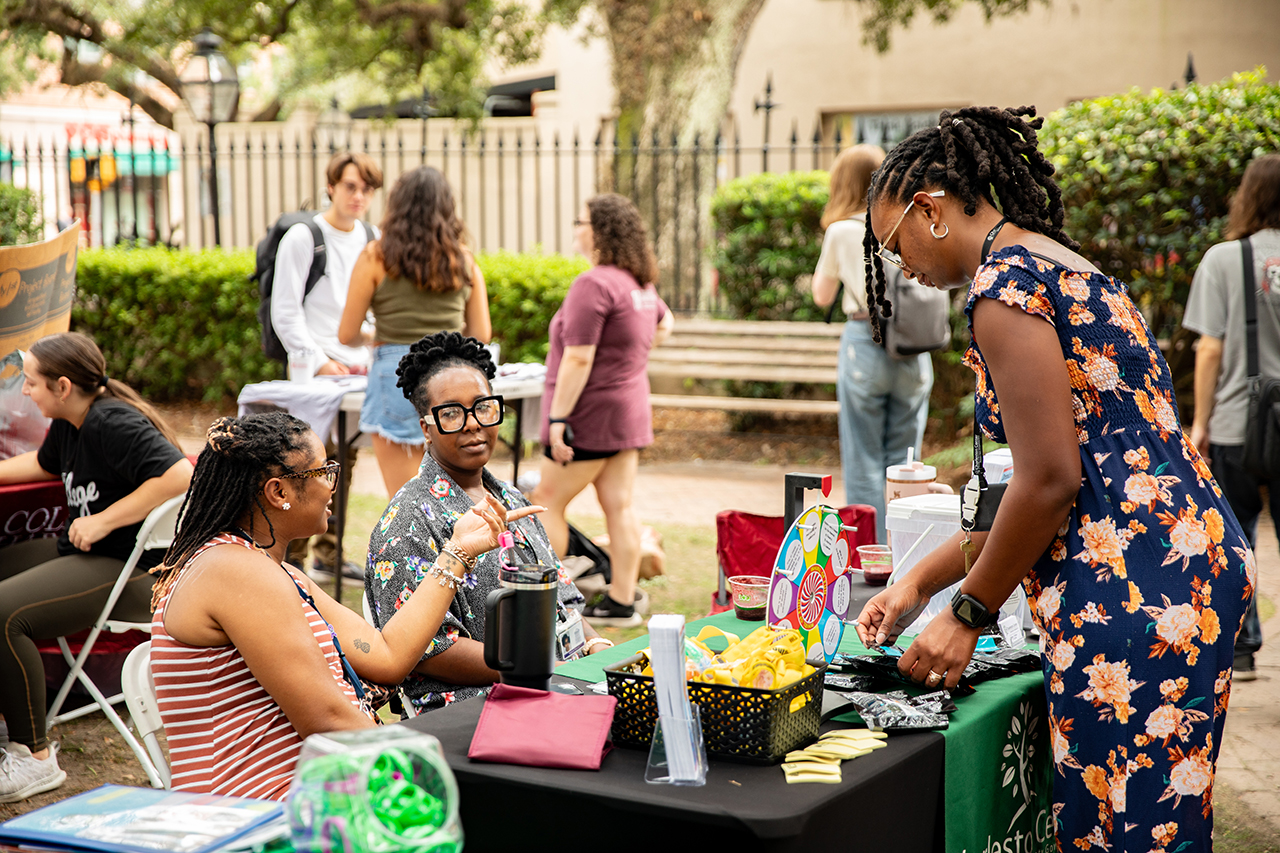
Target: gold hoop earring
945 230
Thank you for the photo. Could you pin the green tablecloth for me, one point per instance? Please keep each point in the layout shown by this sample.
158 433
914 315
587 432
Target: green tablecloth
998 774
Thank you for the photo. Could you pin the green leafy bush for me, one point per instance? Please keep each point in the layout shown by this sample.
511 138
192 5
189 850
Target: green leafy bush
1147 179
19 216
174 325
769 234
525 290
180 325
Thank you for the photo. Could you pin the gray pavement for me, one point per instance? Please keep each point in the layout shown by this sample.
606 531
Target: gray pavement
692 494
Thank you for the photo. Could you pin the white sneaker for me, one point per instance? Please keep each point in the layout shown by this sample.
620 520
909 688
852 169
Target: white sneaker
22 775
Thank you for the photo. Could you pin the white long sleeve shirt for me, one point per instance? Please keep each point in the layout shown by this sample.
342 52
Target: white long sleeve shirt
313 324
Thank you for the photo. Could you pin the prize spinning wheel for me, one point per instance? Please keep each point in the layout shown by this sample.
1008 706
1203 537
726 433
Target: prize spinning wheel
811 585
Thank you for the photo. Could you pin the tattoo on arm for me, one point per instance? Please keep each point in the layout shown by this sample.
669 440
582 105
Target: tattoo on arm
361 645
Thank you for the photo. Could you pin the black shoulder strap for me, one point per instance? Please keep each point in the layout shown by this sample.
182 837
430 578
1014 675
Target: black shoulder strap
831 309
319 257
369 236
1250 309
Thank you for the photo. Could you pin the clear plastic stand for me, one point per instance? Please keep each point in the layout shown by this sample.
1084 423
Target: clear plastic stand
657 771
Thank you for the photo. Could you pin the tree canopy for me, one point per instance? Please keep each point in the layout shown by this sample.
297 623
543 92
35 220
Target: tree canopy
387 48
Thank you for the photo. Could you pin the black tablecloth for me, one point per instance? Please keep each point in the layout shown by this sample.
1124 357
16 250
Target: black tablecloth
876 807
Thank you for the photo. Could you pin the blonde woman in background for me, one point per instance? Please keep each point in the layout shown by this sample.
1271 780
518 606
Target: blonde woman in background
883 400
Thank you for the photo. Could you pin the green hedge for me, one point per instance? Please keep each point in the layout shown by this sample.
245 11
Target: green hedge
180 325
768 235
19 216
525 290
1147 179
175 325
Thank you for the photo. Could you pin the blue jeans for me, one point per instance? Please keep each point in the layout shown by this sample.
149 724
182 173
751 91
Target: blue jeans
884 403
1242 489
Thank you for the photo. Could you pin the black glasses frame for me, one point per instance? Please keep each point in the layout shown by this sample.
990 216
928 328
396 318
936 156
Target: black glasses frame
468 410
329 471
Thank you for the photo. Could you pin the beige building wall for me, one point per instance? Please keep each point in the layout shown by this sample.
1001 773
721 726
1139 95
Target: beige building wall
1049 56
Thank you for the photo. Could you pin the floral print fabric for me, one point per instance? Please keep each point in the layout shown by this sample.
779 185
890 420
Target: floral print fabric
405 542
1140 595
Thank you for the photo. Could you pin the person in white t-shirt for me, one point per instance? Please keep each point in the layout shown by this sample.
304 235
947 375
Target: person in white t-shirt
311 323
884 401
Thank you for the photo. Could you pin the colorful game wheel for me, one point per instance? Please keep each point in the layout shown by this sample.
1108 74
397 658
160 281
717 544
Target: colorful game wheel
810 586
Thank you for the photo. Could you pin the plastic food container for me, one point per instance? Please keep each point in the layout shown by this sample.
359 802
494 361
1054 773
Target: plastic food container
750 594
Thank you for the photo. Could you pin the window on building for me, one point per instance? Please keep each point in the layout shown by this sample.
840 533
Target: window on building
885 129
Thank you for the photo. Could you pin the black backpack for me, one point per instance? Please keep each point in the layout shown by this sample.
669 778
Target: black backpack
265 271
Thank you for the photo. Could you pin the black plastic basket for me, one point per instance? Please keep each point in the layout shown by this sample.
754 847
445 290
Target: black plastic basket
743 724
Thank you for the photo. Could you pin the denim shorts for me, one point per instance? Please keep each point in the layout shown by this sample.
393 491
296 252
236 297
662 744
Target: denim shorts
386 412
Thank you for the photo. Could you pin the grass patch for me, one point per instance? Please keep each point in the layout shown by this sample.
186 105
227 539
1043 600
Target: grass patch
689 578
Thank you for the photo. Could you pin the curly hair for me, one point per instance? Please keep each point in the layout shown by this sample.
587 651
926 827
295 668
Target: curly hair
620 238
239 456
435 354
77 357
1256 205
972 152
422 237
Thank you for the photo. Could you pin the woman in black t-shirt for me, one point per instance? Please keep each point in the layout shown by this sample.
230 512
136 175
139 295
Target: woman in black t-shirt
118 461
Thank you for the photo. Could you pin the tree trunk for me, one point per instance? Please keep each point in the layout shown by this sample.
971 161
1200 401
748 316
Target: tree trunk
674 63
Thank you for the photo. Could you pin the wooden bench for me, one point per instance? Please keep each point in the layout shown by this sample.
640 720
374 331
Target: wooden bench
749 351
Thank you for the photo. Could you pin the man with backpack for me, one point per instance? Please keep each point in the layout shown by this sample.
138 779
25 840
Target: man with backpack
305 320
1230 277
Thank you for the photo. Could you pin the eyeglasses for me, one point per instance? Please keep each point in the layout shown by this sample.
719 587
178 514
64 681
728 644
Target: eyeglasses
890 257
356 189
452 417
329 471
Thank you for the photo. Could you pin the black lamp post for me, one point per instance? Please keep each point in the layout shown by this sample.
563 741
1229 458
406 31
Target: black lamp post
212 92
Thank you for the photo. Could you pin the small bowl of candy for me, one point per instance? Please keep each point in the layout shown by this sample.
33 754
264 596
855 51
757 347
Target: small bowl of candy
750 594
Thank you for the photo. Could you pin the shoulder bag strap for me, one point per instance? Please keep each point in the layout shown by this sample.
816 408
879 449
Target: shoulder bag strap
1250 309
348 671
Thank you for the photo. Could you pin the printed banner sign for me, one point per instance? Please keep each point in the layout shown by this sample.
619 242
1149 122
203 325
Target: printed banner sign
37 285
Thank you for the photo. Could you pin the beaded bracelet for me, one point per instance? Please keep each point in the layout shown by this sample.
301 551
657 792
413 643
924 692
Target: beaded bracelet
590 645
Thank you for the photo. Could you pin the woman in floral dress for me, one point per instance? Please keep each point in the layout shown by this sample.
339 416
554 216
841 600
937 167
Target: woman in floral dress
1136 570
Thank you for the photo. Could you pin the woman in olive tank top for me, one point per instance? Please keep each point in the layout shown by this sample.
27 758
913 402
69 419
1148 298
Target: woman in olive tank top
418 278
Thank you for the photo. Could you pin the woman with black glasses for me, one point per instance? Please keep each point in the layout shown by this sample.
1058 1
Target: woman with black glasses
446 377
248 655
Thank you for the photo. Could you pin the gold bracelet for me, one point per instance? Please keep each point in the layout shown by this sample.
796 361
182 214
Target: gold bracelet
468 562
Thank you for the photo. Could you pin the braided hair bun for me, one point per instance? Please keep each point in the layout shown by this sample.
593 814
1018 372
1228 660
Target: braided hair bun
434 354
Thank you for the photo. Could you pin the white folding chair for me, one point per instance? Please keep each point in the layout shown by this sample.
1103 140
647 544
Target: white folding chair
140 697
409 710
156 532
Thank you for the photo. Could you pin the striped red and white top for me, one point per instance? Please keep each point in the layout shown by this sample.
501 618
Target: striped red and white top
226 734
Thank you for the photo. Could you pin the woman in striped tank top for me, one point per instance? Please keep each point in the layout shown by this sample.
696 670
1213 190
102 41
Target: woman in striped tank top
248 654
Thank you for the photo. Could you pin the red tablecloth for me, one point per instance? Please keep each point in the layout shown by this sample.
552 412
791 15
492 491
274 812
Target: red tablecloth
32 511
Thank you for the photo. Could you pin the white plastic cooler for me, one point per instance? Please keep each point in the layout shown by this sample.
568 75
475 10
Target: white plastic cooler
935 519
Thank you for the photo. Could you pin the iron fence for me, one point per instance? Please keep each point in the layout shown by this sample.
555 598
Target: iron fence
516 189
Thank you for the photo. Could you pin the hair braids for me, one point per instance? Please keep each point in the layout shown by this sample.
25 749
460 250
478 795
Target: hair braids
240 454
973 153
434 354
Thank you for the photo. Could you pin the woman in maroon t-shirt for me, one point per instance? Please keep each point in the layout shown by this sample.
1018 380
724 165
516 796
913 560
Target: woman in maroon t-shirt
595 410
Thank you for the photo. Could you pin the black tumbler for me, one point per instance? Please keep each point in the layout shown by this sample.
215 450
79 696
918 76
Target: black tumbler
520 625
